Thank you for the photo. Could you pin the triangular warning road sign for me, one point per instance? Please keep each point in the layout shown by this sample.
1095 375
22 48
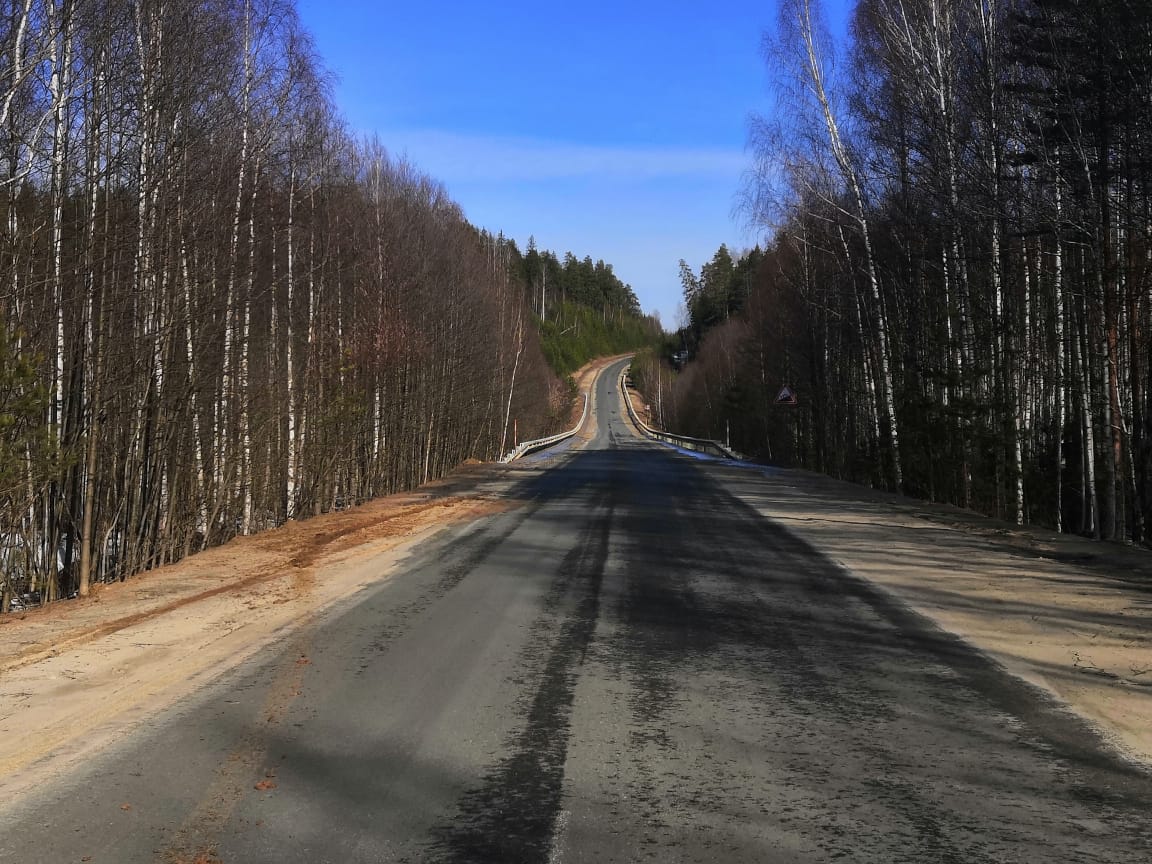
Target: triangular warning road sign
787 396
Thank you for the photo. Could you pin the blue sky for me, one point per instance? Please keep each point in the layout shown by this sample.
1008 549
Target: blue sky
615 130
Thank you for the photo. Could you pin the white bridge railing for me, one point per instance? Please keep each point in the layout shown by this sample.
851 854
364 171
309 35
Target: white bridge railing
526 447
700 445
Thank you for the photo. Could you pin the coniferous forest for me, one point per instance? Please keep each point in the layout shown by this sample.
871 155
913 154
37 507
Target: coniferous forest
955 279
218 309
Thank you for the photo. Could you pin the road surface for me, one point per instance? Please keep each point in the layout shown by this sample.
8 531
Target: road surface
628 664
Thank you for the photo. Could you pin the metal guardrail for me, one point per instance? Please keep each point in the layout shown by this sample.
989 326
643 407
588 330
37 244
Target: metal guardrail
700 445
526 447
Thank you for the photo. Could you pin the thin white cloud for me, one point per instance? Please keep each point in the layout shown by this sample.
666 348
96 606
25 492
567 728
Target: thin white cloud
461 158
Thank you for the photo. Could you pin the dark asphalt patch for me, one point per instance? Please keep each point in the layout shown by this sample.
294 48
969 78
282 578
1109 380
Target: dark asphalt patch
510 817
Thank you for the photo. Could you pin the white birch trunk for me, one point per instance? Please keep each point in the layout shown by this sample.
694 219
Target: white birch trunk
519 336
60 29
193 390
1061 358
244 384
848 173
290 352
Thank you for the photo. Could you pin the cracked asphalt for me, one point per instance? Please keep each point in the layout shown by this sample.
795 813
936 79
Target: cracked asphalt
629 665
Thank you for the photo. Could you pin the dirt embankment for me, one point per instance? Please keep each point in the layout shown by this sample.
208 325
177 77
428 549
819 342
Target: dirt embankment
74 673
246 562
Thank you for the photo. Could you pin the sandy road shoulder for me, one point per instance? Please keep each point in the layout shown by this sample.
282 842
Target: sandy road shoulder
1068 615
75 676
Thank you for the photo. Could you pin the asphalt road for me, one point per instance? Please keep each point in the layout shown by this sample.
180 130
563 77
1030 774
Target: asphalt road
627 665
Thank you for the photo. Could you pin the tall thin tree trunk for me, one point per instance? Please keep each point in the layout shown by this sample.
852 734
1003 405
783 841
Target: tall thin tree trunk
848 173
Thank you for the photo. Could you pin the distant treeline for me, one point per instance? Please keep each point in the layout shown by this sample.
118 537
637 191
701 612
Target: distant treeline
219 311
957 276
583 309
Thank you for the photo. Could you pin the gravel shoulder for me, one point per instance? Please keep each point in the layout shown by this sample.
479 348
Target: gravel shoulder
1070 616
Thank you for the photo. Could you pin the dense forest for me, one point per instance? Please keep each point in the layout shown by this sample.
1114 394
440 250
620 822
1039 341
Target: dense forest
583 309
219 311
955 280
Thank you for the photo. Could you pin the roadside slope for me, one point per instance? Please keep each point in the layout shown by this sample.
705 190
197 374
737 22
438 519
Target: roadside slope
75 676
